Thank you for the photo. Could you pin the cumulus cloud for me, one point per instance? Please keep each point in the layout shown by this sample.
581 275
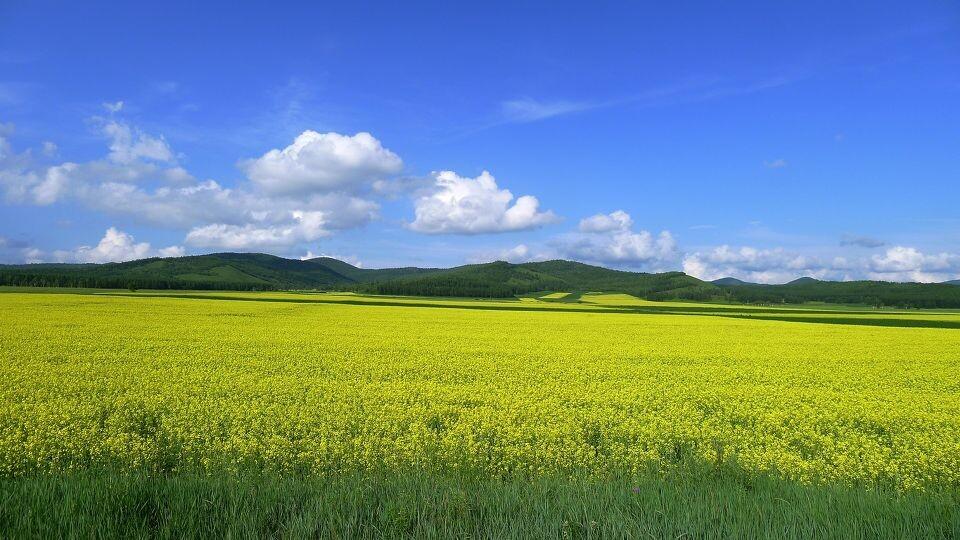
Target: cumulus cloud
608 239
755 265
897 263
322 162
140 178
128 144
16 176
461 205
134 157
900 263
623 248
33 255
520 253
301 227
171 251
320 183
614 221
54 184
115 246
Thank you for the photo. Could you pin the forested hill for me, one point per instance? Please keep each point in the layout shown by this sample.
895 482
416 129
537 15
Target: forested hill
227 271
241 271
502 279
874 293
251 271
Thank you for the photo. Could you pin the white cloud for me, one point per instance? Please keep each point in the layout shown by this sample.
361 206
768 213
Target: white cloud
171 251
131 182
778 266
623 248
459 205
301 227
54 184
754 265
128 144
607 239
114 107
900 263
322 162
614 221
520 253
134 157
33 255
16 178
115 246
178 175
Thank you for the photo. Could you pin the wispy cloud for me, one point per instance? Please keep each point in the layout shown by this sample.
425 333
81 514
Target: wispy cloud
775 164
15 93
530 110
861 241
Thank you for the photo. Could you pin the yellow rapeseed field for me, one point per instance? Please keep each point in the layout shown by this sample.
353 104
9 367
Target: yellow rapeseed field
323 383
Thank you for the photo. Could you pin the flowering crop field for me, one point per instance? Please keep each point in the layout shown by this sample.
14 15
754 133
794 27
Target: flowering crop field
328 384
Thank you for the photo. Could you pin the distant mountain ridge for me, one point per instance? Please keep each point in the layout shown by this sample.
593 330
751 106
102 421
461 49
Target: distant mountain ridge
731 281
503 279
257 271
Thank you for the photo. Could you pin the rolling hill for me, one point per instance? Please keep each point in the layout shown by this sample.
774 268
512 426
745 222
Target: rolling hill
253 271
241 271
367 275
502 279
874 293
730 281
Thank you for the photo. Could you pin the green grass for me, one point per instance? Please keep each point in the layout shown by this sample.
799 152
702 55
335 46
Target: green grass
691 504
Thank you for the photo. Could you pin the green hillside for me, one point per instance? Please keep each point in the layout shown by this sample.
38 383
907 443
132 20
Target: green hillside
367 275
491 280
237 271
584 277
253 271
502 279
875 293
729 281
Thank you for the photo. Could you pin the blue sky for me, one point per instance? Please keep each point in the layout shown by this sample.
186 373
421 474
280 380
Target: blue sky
758 140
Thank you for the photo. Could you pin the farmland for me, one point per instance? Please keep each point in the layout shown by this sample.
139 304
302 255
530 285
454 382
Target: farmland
508 396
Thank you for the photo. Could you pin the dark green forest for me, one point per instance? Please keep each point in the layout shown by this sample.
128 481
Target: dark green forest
260 272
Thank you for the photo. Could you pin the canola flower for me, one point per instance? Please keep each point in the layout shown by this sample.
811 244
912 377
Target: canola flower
166 384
